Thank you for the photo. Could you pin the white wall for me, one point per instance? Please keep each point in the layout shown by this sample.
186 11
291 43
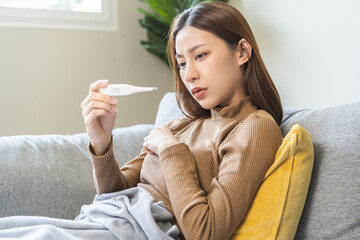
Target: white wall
45 74
310 47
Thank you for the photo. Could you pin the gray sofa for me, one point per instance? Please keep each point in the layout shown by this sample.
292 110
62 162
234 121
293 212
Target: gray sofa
51 175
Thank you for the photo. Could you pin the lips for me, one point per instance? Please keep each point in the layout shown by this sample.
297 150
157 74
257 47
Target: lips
198 92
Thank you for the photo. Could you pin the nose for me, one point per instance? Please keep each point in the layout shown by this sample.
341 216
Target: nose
191 73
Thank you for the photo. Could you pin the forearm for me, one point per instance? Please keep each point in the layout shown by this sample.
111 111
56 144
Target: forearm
193 210
216 212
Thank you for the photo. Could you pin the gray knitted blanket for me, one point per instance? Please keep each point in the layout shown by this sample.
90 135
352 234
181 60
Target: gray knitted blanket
129 214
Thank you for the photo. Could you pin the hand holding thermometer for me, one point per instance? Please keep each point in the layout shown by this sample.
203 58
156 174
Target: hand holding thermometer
124 89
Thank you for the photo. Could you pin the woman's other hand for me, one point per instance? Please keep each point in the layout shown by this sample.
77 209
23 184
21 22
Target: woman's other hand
99 112
158 139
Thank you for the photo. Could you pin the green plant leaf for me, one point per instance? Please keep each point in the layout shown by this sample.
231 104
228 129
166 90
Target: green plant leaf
157 23
157 50
157 17
162 7
156 39
152 25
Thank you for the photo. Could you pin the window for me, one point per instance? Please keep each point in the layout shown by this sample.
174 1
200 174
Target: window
93 6
68 14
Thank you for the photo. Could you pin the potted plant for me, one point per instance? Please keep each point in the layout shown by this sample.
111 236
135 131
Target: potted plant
157 23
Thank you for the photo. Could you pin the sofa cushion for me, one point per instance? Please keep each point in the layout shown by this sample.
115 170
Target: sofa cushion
276 209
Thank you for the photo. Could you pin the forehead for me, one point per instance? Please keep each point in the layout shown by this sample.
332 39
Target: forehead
190 36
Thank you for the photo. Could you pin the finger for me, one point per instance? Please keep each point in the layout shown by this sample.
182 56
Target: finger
166 130
148 150
165 127
152 131
98 105
94 96
95 113
95 86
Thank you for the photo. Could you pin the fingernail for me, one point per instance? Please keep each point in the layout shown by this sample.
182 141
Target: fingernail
113 100
104 81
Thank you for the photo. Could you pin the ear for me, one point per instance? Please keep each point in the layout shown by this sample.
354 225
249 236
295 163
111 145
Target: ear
244 51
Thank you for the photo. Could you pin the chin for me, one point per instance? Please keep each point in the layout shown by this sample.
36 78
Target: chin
206 104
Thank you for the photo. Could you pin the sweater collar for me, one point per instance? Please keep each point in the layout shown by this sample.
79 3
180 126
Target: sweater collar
239 110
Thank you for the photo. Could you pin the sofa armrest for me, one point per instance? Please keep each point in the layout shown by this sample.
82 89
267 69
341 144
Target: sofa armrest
51 175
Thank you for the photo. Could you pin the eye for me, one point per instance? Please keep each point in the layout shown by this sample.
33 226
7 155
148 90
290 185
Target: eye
199 56
181 65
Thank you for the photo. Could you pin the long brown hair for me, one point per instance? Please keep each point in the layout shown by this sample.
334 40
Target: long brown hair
227 23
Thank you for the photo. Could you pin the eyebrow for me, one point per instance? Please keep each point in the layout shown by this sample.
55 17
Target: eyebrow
191 49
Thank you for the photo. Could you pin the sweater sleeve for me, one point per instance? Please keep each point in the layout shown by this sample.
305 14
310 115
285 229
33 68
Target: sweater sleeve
108 177
245 155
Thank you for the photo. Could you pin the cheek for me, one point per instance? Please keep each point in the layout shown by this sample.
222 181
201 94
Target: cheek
182 77
214 67
228 63
181 74
231 71
186 83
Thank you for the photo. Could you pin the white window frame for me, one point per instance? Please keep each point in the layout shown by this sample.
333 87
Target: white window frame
57 19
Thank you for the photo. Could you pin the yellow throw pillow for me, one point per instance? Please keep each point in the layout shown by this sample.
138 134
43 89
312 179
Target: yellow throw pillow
278 204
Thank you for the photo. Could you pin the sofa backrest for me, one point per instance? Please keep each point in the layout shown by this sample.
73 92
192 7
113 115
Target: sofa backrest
45 175
168 109
332 206
51 175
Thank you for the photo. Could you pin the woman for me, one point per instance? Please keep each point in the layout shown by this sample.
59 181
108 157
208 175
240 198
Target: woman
213 160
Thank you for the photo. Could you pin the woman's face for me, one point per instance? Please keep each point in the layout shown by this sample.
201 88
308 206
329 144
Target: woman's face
209 68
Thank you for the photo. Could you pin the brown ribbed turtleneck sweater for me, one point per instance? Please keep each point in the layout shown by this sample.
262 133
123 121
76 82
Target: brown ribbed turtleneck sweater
208 180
